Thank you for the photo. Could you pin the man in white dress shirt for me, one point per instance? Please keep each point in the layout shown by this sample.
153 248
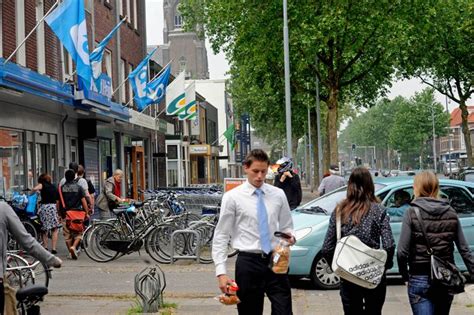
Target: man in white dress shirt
250 215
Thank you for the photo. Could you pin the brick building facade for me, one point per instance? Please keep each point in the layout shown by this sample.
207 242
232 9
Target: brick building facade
47 124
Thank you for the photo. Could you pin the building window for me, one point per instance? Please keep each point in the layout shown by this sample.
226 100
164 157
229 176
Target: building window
178 21
122 78
130 90
108 63
40 38
68 65
127 12
120 5
20 31
135 14
88 5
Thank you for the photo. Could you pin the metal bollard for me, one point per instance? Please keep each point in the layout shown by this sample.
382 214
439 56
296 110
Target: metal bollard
150 284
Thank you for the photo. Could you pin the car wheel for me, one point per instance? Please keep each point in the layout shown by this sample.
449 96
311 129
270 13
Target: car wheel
322 275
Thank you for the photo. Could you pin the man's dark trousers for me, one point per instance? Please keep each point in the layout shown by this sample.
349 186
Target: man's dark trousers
254 278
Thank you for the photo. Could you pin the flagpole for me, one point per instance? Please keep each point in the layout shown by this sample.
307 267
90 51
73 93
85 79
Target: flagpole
31 32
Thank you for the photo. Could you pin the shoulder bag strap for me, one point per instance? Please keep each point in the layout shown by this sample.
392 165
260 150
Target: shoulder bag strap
61 196
338 224
423 230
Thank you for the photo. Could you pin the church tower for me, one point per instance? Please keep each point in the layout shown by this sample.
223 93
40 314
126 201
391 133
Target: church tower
186 49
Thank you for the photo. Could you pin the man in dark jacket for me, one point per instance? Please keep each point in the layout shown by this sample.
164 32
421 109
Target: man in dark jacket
289 181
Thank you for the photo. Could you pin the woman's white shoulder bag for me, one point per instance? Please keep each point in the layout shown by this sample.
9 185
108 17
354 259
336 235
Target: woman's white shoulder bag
356 262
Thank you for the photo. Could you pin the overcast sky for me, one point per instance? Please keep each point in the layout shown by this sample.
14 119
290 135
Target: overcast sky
218 65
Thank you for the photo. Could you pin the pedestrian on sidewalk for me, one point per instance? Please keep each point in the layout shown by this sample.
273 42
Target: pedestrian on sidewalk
363 216
81 181
331 182
250 214
48 213
72 198
289 181
443 230
110 196
11 224
81 173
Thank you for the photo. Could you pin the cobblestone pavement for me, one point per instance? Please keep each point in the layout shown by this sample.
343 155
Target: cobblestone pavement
85 287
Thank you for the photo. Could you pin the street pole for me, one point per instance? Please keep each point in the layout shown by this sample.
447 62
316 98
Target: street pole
434 139
309 174
286 51
449 142
318 122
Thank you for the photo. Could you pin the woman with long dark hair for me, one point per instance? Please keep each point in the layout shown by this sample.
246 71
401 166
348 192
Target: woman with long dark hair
361 215
48 212
443 230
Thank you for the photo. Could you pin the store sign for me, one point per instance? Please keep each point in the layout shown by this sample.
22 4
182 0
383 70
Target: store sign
199 149
162 125
143 120
231 183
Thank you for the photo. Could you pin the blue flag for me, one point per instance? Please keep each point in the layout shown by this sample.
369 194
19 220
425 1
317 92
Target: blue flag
68 22
155 90
98 53
139 77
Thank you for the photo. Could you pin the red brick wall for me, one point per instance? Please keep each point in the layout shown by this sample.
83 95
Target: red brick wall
8 28
52 50
132 42
31 45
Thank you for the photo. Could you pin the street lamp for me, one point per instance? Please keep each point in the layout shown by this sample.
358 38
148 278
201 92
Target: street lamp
286 51
434 139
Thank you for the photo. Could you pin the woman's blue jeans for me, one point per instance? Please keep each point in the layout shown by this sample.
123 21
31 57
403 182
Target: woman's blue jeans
424 302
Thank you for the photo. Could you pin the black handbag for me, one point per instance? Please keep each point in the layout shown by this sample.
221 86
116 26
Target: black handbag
445 276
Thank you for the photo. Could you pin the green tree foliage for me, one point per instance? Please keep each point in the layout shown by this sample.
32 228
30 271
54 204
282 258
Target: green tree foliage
355 43
441 52
401 124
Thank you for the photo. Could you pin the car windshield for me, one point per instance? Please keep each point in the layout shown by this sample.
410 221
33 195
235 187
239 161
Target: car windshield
327 203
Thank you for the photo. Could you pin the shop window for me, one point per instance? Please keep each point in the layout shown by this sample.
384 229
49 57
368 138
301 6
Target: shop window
73 149
172 152
172 173
11 162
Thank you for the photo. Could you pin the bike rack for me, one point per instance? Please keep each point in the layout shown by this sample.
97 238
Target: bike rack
197 252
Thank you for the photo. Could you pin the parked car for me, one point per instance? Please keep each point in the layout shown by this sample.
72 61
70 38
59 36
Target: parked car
311 222
466 174
451 168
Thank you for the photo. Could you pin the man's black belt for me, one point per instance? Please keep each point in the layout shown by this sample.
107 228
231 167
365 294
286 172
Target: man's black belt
255 255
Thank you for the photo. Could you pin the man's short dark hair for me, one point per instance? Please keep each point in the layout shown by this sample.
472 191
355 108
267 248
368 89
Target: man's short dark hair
73 166
70 175
256 155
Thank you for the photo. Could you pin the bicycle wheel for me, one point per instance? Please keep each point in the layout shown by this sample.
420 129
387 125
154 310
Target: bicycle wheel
30 228
95 245
158 243
40 273
16 278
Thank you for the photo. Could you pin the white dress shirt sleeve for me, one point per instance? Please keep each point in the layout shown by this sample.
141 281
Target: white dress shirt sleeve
285 221
223 233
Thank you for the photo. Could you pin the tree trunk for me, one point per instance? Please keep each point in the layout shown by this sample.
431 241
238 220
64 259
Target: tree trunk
326 151
466 131
332 124
315 152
